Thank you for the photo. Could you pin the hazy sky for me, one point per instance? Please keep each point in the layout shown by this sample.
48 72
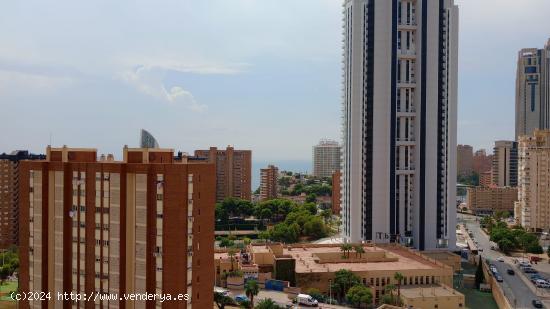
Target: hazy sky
261 75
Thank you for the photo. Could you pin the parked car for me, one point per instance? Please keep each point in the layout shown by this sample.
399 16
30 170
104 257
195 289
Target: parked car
530 271
537 303
540 283
222 291
498 277
241 298
307 300
511 272
500 259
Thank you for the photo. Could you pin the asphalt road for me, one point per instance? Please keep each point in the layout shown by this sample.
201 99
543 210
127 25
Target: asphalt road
515 289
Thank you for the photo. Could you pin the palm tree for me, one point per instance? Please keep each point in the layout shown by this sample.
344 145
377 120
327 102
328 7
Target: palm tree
390 288
346 248
251 288
359 250
398 277
231 253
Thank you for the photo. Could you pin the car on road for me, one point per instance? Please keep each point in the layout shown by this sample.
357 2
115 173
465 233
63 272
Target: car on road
537 303
500 259
511 272
498 277
540 283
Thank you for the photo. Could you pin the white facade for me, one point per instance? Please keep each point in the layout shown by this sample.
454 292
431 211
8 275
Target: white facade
326 158
533 90
399 121
534 181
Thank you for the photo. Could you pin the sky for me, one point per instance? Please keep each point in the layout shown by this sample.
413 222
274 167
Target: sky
259 75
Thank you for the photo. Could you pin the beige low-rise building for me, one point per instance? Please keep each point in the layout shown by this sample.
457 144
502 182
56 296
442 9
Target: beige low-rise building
314 265
432 296
534 181
487 200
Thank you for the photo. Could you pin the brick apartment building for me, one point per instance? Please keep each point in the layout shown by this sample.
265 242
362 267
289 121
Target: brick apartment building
488 200
336 192
9 195
144 224
233 171
268 182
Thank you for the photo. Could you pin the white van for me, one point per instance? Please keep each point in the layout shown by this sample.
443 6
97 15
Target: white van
307 300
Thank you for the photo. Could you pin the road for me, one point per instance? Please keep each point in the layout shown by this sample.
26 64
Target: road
516 290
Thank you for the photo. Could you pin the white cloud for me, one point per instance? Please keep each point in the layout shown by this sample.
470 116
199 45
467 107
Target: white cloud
149 80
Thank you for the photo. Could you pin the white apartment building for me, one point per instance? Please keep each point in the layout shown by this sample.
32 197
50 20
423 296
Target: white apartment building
326 158
533 211
400 63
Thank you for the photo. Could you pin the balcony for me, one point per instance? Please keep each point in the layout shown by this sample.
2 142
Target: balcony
406 53
403 141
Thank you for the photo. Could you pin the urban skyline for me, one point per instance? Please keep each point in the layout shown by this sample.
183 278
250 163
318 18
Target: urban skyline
137 100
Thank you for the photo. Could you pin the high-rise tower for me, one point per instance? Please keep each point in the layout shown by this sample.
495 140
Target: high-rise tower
400 62
533 90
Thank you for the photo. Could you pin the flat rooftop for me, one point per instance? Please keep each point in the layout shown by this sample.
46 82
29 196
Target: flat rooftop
428 291
406 260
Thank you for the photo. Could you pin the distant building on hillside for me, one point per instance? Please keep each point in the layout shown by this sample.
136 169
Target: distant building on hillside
9 195
268 182
486 179
326 158
233 171
481 161
464 159
147 140
505 164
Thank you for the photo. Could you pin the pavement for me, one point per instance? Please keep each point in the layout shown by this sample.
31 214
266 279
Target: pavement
519 291
281 299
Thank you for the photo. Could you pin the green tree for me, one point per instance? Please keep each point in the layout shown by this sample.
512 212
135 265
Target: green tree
505 245
5 272
231 253
359 250
345 248
399 278
389 289
480 277
315 293
225 242
548 253
311 198
343 281
251 289
359 295
265 214
315 228
267 303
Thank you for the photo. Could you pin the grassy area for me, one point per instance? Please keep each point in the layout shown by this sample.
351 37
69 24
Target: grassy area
476 299
5 289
